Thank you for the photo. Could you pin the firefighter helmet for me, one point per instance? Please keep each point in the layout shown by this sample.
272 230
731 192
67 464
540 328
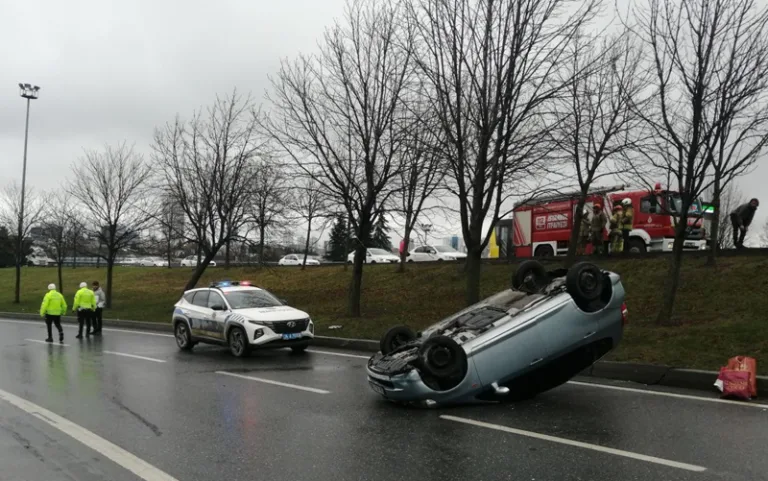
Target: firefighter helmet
627 201
617 207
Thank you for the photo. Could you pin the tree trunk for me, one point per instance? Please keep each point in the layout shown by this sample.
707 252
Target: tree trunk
714 249
199 254
673 275
261 244
406 248
226 255
74 253
169 253
356 287
573 242
473 269
61 281
306 243
16 298
198 273
110 266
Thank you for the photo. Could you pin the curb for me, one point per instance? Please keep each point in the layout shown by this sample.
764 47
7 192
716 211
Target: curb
647 374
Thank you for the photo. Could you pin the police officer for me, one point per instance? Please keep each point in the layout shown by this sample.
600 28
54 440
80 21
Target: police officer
599 220
53 307
101 301
84 305
617 241
627 218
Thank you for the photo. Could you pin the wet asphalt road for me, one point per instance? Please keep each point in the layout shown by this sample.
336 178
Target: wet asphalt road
182 414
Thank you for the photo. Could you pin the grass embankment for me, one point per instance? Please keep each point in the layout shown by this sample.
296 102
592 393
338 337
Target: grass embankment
722 310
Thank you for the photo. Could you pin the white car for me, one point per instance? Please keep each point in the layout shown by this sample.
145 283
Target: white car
297 260
375 256
435 253
191 261
241 316
153 262
40 261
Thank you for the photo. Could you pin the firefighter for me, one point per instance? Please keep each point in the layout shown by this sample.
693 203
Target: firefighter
627 217
584 233
741 218
599 220
84 305
617 241
53 307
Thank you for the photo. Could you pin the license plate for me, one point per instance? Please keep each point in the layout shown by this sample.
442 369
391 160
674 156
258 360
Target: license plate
690 244
377 388
288 337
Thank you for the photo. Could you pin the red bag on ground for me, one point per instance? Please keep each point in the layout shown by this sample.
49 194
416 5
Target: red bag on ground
735 384
748 364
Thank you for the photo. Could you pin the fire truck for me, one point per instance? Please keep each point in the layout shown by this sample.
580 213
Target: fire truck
542 227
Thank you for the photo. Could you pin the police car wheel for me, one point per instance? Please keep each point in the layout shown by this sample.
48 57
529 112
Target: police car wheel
299 349
183 339
238 342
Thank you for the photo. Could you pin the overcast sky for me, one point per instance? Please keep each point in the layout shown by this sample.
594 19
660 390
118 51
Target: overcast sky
113 71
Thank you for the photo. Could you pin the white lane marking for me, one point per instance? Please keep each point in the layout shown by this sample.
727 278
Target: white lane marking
276 383
133 356
329 353
43 342
578 444
137 466
669 394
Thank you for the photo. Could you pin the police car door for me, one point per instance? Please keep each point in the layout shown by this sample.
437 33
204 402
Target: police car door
218 308
199 314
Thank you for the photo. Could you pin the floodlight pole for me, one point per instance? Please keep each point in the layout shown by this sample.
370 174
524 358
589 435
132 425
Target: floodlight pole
29 93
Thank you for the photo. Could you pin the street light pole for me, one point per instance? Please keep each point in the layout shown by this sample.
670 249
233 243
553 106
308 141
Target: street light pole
30 93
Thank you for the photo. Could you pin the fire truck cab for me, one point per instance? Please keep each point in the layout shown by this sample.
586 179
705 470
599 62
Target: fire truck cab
543 227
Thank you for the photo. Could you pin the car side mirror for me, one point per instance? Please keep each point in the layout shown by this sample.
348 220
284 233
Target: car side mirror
218 307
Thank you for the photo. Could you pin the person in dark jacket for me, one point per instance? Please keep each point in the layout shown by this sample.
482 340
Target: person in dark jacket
598 222
741 218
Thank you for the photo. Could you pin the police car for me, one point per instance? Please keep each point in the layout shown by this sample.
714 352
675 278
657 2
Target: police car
240 316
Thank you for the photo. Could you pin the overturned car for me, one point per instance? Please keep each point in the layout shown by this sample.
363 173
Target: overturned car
545 329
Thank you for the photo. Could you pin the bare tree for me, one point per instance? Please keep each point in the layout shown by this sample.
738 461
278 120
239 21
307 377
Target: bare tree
112 185
269 199
594 122
336 115
741 131
18 226
690 44
59 228
206 166
764 235
489 66
168 220
311 206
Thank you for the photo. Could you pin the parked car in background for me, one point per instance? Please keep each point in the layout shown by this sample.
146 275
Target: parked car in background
40 261
297 260
153 262
527 339
191 261
375 256
432 253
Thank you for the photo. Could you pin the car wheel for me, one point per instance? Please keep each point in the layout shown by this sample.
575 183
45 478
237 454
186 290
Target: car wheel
544 251
584 282
530 276
636 246
183 336
395 337
299 349
410 261
238 342
442 357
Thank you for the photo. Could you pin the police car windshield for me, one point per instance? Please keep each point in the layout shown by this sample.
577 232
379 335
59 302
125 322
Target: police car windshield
251 299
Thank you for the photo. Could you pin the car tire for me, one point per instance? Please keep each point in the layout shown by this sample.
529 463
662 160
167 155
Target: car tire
410 261
299 349
442 357
237 341
636 246
530 276
395 337
584 282
183 336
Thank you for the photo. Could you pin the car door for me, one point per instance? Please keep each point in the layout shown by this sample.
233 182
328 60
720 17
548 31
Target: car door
200 315
293 260
568 327
218 316
419 254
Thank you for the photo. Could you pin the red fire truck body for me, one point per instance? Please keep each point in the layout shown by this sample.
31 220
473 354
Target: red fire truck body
543 227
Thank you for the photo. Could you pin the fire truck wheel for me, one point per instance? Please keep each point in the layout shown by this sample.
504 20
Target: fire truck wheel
636 246
584 282
544 251
530 277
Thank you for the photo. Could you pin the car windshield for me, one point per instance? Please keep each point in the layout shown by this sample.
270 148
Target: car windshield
676 205
378 252
250 299
445 249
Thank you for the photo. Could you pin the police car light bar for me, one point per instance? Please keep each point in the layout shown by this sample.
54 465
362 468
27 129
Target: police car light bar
230 283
